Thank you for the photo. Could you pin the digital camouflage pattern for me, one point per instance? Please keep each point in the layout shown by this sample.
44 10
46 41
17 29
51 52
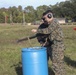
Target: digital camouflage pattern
55 48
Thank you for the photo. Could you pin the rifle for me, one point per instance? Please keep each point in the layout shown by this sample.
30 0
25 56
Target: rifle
40 37
26 38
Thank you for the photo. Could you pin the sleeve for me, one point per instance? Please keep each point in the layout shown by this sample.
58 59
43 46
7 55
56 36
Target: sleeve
56 33
43 29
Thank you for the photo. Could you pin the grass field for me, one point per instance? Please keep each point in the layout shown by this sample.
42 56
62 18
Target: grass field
10 51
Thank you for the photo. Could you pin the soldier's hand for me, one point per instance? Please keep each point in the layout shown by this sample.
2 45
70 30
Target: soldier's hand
34 30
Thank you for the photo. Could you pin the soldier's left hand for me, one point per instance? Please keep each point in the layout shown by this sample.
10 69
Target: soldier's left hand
34 30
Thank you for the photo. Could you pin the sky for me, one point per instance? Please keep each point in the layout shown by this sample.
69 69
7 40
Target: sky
25 3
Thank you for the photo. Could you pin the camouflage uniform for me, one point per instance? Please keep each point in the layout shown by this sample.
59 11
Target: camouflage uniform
55 49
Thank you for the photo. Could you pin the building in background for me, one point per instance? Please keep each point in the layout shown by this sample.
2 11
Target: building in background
61 20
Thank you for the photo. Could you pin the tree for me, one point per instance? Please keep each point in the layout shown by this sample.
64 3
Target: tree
20 8
2 18
29 14
40 10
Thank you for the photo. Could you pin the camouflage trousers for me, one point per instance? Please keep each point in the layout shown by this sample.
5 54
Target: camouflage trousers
56 53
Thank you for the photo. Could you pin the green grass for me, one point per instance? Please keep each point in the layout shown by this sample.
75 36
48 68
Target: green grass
10 51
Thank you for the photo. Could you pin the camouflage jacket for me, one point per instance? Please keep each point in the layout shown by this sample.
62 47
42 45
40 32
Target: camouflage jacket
53 30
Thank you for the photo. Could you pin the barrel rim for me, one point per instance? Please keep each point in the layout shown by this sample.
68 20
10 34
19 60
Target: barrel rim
28 49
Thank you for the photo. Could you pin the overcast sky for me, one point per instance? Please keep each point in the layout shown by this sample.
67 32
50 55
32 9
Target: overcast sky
25 3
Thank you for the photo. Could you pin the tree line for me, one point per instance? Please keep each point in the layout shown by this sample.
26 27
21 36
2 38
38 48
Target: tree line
15 14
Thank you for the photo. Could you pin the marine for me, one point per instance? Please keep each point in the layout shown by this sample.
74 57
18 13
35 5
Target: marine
53 41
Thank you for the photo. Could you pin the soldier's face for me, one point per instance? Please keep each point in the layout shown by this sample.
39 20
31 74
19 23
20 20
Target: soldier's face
47 19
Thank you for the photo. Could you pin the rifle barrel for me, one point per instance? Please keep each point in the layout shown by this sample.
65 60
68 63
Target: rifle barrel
26 38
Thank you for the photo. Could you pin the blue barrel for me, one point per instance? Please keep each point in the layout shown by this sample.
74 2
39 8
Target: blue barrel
34 61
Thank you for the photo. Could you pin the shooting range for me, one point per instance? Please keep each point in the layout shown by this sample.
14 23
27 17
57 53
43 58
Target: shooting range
21 54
